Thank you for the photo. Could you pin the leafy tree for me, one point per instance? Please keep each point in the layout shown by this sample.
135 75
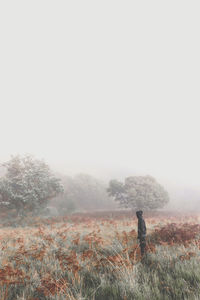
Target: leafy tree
139 192
28 184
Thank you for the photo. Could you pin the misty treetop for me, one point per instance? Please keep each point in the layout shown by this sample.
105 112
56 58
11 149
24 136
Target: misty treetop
83 192
139 192
28 184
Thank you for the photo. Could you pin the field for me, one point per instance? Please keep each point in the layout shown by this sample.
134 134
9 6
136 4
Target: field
97 257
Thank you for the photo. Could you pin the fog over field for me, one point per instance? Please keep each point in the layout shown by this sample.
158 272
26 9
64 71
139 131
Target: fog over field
99 150
106 88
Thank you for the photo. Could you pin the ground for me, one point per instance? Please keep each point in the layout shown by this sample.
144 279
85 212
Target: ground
96 256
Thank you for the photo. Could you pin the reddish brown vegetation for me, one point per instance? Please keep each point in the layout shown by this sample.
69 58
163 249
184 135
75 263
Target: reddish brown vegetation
99 234
173 233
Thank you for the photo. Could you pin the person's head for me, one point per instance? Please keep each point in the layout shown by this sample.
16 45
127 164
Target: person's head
139 214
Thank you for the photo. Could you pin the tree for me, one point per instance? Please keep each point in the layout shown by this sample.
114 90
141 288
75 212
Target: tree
139 192
28 184
83 192
89 192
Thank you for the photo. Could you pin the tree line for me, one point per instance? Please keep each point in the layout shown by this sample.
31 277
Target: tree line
28 185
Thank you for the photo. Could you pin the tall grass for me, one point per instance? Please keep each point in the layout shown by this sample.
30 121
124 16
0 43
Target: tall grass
98 260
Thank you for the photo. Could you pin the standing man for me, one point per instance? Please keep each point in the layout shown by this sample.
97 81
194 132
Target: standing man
141 231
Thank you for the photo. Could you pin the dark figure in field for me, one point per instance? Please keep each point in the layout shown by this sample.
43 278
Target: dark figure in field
141 231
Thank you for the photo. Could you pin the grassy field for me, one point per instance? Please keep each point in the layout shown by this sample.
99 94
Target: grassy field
97 257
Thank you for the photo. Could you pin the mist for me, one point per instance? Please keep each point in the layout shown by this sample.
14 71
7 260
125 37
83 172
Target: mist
107 89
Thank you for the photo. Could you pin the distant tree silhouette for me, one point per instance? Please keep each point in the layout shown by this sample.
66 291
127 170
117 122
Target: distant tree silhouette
139 192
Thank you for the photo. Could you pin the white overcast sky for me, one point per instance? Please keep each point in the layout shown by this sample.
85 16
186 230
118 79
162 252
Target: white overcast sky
102 84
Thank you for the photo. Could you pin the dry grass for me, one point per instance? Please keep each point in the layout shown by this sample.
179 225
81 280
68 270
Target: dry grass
89 257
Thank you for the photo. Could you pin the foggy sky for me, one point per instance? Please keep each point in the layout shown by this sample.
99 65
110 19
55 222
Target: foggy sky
99 85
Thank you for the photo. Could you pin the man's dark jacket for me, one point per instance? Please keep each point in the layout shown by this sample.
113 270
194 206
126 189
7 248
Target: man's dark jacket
141 226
